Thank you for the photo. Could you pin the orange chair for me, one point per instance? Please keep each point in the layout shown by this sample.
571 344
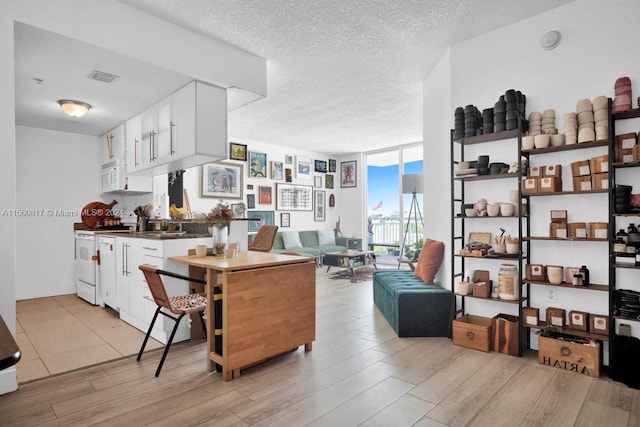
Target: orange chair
263 241
178 305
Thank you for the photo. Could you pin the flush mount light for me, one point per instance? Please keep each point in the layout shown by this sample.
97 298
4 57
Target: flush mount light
74 108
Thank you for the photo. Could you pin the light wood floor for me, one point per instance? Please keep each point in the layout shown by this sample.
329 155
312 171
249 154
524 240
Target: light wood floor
358 373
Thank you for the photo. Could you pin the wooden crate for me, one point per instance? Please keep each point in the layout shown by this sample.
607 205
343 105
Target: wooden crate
558 230
599 324
580 168
597 230
535 272
582 183
579 320
555 316
505 334
552 171
550 184
599 164
600 181
472 332
580 358
577 229
531 316
559 216
530 186
535 172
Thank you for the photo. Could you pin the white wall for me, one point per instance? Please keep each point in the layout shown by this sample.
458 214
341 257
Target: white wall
350 201
56 172
300 220
599 44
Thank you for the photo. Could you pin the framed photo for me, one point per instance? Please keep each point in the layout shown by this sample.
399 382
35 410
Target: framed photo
328 181
288 175
257 164
285 219
303 167
238 210
265 195
348 175
319 206
320 166
251 201
317 181
290 197
260 218
277 172
288 159
332 165
221 180
237 151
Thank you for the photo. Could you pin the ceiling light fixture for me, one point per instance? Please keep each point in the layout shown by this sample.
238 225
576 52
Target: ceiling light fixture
74 108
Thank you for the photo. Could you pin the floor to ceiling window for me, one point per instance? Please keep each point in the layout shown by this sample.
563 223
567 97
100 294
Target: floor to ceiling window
393 217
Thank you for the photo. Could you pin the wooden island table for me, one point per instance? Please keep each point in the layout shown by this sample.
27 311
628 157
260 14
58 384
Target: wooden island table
268 306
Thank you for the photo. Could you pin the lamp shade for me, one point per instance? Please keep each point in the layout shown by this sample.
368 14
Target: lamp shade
412 183
74 108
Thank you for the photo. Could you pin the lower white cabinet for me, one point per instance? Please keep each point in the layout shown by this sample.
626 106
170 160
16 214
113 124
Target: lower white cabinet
135 300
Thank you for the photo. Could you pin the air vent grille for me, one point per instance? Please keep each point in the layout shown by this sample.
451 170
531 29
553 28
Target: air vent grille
101 76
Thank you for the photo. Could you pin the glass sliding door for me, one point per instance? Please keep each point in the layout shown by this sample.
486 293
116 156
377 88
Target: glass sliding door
393 218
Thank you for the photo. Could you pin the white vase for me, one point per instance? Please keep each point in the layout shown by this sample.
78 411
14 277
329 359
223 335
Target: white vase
220 236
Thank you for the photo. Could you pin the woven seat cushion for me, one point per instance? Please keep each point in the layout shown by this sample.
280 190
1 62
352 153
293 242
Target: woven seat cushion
188 303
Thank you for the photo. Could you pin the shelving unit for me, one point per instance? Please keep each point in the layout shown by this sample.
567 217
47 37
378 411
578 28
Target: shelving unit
458 228
614 167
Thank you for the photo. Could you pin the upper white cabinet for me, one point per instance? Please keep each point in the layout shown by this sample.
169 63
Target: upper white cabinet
189 128
112 145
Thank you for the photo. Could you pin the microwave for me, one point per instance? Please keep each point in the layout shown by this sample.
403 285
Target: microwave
111 176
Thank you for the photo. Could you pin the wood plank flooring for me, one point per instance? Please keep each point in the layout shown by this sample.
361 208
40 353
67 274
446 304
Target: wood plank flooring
358 373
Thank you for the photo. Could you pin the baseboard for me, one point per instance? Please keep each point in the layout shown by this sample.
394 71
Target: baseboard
8 380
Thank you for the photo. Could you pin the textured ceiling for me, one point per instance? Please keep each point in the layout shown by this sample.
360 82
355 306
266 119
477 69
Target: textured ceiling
343 75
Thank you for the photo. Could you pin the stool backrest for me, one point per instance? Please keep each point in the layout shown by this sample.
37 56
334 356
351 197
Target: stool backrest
156 286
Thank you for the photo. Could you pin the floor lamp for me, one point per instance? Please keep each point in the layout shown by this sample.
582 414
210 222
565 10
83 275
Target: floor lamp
412 184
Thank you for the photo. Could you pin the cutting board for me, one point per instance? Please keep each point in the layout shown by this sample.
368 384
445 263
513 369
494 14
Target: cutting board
94 213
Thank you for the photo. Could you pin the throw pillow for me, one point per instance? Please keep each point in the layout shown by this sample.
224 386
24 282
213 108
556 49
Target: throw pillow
429 260
291 239
326 237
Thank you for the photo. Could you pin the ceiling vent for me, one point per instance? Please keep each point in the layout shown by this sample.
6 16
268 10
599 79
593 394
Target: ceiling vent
101 76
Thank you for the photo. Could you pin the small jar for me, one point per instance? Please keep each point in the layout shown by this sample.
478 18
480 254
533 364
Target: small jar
554 274
508 283
619 247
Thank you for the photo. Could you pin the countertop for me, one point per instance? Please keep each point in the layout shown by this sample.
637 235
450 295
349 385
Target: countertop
155 235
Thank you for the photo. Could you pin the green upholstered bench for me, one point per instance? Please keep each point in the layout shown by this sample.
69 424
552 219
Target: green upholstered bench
412 307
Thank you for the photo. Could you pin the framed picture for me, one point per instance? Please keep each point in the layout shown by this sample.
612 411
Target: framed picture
221 180
238 210
319 206
320 166
251 201
317 181
237 151
290 197
328 181
257 164
288 175
259 218
303 167
332 165
285 219
265 195
288 159
348 174
277 172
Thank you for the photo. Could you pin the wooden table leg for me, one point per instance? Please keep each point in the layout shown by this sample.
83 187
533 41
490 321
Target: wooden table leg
211 278
308 346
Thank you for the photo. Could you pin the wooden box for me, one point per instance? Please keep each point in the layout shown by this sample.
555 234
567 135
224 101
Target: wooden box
552 171
558 230
535 272
550 184
597 230
481 284
579 320
535 172
472 332
580 168
600 181
577 229
559 216
531 316
624 155
555 316
580 358
636 153
530 186
473 252
599 324
599 164
582 183
505 334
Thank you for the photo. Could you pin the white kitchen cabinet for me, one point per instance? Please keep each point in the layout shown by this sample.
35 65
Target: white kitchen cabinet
187 129
112 145
138 309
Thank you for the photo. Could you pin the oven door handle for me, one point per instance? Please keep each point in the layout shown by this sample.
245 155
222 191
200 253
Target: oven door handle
96 257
